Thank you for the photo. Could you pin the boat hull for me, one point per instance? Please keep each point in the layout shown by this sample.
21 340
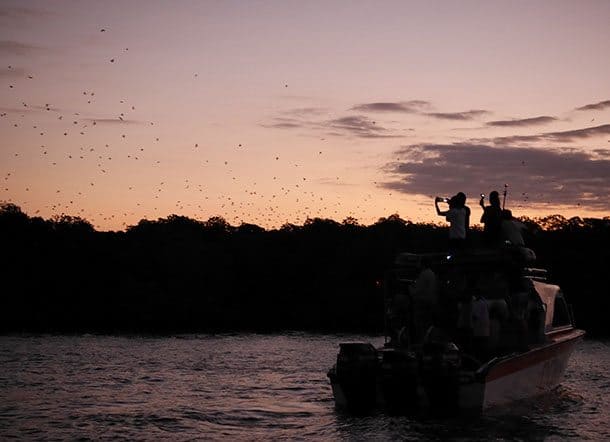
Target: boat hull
528 374
501 381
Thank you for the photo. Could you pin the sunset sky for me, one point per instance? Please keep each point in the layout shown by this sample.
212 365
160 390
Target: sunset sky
270 112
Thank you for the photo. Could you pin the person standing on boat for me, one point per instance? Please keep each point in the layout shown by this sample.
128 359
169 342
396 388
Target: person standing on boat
458 216
492 219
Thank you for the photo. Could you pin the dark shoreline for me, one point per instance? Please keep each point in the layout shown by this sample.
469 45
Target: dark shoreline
179 275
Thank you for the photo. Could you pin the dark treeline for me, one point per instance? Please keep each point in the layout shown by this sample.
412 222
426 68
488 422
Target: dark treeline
181 275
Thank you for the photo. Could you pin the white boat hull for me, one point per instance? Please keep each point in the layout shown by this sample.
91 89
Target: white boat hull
522 376
502 381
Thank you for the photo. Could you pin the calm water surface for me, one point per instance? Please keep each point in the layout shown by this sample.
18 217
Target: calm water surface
235 387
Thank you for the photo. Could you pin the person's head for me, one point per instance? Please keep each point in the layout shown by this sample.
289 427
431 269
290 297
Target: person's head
459 199
494 198
507 214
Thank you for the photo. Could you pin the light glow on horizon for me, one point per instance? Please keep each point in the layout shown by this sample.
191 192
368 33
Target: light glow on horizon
275 112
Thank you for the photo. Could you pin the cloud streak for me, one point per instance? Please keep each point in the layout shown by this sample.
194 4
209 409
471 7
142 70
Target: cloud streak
595 106
539 175
12 72
419 107
554 137
13 12
119 121
29 109
534 121
353 125
359 126
407 107
11 47
458 116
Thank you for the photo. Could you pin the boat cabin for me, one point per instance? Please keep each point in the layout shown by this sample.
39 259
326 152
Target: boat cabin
440 290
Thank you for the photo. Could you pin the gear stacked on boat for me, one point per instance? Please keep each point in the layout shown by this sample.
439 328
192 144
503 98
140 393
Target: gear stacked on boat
470 330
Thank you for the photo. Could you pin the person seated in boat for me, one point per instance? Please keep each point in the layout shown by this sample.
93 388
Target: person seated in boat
480 326
399 319
492 219
518 318
499 326
458 216
464 323
424 299
535 317
512 235
512 229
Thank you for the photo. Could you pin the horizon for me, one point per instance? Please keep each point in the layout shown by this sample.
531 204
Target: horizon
276 112
541 221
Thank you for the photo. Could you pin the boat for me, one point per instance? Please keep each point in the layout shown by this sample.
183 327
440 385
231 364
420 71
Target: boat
433 357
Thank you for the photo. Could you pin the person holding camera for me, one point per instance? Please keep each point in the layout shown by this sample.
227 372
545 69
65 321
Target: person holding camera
492 219
458 216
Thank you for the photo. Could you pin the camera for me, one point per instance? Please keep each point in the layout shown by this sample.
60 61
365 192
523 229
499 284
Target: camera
482 195
440 199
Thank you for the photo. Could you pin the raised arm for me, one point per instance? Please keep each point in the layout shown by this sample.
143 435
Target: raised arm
438 210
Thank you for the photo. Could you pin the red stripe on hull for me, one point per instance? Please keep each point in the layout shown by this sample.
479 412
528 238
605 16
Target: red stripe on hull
561 342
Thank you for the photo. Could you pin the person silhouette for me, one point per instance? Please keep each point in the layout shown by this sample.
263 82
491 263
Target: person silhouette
458 216
492 219
512 229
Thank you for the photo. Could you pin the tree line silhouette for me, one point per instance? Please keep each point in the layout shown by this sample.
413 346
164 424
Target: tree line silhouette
178 274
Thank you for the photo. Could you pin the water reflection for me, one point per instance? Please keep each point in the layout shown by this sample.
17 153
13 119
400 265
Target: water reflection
248 387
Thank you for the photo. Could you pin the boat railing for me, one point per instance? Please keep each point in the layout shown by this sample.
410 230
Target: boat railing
484 369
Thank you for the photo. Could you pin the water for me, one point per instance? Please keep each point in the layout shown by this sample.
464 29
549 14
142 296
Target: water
236 387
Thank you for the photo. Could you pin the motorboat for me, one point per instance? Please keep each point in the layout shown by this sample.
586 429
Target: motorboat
467 331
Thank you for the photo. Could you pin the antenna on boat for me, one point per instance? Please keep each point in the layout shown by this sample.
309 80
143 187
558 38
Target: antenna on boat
504 199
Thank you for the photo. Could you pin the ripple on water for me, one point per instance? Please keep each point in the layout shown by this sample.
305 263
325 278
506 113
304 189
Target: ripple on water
248 387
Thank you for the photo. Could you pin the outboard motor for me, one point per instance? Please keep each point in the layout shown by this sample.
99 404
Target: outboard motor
354 377
399 376
440 367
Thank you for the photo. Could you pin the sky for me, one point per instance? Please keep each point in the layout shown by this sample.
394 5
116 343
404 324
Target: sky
272 112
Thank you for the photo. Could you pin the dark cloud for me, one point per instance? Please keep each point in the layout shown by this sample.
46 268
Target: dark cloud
556 137
459 116
10 47
522 122
595 106
408 107
543 176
